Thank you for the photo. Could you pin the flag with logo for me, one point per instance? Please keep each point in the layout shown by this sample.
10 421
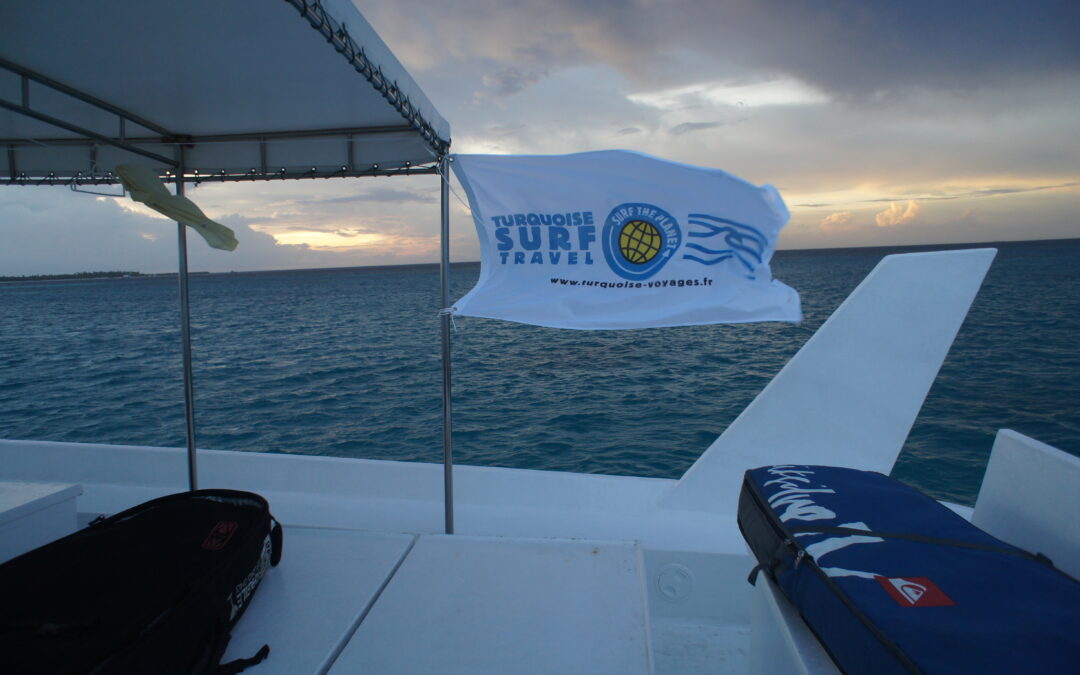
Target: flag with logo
616 239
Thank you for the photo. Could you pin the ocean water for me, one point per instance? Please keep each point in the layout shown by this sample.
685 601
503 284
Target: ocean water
346 363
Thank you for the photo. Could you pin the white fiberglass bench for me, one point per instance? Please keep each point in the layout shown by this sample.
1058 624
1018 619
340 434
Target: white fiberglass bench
396 603
466 604
33 514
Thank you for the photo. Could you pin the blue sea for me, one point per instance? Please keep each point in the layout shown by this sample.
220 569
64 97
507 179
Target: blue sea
346 362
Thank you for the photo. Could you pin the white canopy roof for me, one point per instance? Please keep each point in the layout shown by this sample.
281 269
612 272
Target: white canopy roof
248 89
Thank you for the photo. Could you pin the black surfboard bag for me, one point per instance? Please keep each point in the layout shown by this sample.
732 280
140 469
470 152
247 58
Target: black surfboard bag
891 581
154 589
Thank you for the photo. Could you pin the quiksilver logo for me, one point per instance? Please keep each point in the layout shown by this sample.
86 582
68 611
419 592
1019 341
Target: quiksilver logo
909 589
914 592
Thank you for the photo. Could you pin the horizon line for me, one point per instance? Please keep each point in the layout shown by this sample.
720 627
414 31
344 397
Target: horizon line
29 277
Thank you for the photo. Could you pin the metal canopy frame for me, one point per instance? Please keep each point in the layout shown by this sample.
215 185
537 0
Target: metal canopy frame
92 140
134 133
150 133
337 35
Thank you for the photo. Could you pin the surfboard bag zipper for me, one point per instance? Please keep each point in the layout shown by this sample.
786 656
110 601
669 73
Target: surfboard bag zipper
154 589
891 581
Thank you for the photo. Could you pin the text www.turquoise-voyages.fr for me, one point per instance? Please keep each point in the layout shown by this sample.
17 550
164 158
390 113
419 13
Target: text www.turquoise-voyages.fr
666 283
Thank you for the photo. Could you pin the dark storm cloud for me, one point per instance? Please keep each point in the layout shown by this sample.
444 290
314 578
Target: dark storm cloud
1010 191
938 196
381 194
509 81
504 129
850 48
869 48
687 127
974 194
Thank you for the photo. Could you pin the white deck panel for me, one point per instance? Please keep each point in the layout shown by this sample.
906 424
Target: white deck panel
1029 498
851 394
307 606
34 514
465 604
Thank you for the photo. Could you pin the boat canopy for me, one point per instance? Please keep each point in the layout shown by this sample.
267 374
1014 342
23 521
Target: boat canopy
211 90
222 91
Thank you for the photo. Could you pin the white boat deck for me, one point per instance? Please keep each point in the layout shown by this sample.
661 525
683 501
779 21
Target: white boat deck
308 606
346 601
567 573
554 573
462 604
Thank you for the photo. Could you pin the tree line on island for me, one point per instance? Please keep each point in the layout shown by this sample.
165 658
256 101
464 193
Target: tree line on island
77 275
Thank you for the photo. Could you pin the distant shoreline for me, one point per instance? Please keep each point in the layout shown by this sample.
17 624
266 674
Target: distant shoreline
84 276
76 275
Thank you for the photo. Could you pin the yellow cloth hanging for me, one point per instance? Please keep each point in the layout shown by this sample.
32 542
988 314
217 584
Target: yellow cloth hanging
144 186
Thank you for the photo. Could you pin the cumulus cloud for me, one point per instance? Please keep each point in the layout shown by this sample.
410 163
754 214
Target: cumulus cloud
841 221
897 215
968 217
645 65
51 230
982 99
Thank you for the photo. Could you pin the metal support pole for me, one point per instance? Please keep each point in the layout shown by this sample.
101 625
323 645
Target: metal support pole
185 336
444 283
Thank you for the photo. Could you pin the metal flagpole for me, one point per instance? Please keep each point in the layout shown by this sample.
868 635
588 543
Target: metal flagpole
185 334
444 283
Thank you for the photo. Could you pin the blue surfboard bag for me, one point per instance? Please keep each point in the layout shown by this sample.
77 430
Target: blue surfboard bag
891 581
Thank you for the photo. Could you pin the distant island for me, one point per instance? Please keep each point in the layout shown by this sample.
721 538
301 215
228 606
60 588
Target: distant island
78 275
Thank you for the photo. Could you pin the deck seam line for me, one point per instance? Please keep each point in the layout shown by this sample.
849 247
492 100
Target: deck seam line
332 658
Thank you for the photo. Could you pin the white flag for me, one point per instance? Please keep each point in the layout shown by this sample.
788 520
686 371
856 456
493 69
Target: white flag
617 239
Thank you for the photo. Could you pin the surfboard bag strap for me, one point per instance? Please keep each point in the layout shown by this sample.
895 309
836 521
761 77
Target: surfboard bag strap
155 589
891 581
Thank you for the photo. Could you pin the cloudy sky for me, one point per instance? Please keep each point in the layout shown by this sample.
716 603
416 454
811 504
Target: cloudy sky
881 123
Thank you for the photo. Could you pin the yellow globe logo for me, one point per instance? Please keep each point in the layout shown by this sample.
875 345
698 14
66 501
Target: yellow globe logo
639 241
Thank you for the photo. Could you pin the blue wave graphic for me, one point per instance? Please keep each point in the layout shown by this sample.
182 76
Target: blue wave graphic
718 255
744 243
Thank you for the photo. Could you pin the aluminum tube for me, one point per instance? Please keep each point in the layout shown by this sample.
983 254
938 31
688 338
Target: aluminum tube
185 339
444 283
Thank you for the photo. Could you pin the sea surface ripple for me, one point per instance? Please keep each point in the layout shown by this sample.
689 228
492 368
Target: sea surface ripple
346 363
